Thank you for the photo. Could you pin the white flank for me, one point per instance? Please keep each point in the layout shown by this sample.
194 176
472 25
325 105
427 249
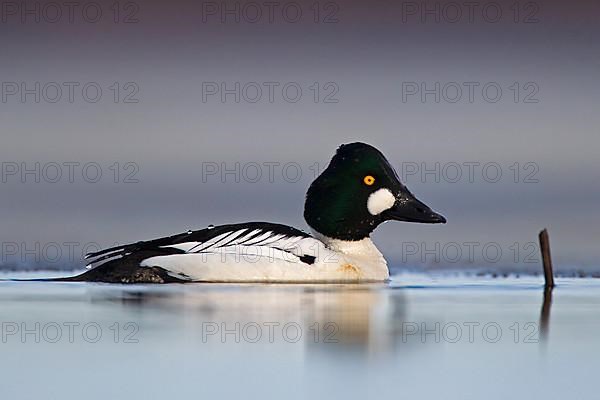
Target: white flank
271 257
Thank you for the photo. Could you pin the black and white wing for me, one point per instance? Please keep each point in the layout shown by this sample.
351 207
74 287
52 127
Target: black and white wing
245 238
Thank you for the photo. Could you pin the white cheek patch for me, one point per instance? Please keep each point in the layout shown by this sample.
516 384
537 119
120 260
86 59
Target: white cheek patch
379 201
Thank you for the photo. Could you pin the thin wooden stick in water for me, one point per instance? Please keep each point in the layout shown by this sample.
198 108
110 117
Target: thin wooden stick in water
546 259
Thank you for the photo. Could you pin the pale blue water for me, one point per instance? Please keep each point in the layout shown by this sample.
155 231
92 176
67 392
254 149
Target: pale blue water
317 341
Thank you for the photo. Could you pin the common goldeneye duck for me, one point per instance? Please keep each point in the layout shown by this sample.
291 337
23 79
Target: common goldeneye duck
358 191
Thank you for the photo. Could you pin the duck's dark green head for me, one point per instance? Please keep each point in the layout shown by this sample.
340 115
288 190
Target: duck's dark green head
358 191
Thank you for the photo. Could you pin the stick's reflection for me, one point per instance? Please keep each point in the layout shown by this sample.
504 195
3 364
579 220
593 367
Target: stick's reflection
545 314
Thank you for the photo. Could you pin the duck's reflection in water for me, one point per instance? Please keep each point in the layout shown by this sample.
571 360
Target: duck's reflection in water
362 317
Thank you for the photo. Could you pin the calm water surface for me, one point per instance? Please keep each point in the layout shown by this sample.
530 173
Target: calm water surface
456 337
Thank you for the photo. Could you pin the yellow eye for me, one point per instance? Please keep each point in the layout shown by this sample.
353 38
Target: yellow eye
368 180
